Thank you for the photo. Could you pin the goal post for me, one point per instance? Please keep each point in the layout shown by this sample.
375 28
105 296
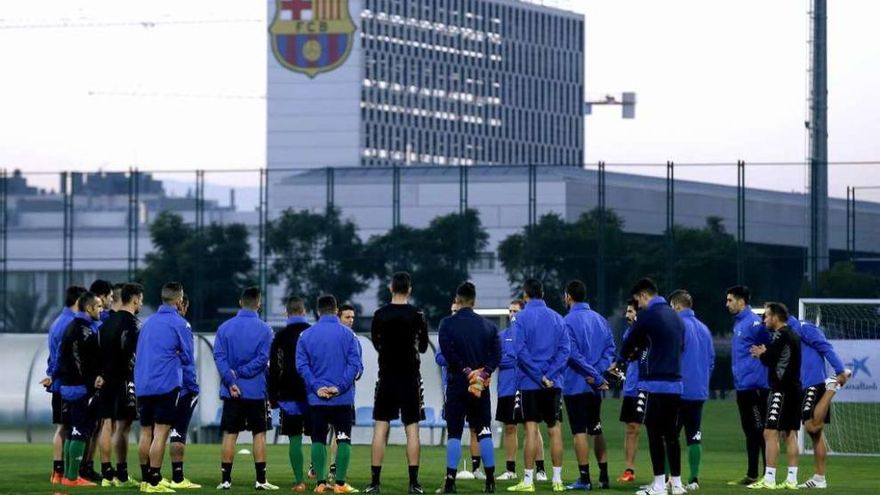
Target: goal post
853 328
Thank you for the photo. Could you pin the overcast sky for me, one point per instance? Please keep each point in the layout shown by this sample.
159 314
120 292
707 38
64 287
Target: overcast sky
716 81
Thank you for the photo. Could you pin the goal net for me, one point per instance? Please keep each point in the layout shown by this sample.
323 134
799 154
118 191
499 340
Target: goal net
853 328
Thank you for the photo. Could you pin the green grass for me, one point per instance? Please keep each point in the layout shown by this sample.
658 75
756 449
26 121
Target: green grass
25 468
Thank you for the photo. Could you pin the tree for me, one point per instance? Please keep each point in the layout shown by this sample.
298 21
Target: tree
843 280
214 266
555 252
436 256
26 313
316 253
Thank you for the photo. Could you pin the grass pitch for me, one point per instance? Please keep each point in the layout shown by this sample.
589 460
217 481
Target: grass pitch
25 469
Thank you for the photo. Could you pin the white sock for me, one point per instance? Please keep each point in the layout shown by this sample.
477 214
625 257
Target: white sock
770 474
660 482
528 474
792 474
557 474
676 481
819 477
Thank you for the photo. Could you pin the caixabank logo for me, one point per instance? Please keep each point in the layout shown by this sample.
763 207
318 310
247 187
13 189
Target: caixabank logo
860 356
312 36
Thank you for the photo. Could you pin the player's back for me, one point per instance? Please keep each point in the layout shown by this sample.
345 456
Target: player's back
328 353
399 333
697 357
540 331
158 367
783 360
660 331
471 340
242 344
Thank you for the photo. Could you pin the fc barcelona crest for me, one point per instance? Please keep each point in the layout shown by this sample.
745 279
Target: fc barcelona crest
312 36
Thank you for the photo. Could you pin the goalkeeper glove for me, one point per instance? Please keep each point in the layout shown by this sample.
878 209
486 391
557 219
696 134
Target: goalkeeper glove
476 389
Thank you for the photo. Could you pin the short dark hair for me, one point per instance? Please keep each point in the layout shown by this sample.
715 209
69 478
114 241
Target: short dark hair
644 285
519 302
117 291
633 302
401 283
533 288
171 292
86 299
251 296
295 305
681 297
466 292
778 310
346 307
576 290
71 295
740 292
129 291
326 304
101 288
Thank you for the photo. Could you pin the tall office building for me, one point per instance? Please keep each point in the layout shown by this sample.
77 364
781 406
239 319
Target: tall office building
423 82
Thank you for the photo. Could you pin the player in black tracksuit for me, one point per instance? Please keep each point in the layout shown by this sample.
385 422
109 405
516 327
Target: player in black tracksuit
78 358
782 357
117 340
287 391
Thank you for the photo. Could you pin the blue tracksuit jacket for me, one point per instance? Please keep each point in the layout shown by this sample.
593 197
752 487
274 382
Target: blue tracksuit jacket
697 357
658 333
56 332
241 353
542 346
748 372
631 385
507 365
161 353
328 355
592 349
815 350
189 383
467 340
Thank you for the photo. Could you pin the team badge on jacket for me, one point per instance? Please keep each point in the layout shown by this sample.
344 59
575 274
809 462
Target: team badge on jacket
312 36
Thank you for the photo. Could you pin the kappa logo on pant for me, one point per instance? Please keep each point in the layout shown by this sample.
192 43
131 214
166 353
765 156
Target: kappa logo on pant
342 436
174 433
698 436
75 431
485 431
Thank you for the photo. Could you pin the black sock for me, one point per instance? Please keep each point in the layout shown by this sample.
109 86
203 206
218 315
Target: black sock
86 467
629 470
155 475
226 470
584 469
450 476
414 474
122 471
340 483
603 471
539 465
58 467
107 471
490 474
376 472
333 468
260 468
145 472
177 472
475 462
511 466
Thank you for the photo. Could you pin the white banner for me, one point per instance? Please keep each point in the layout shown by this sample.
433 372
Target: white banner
863 358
